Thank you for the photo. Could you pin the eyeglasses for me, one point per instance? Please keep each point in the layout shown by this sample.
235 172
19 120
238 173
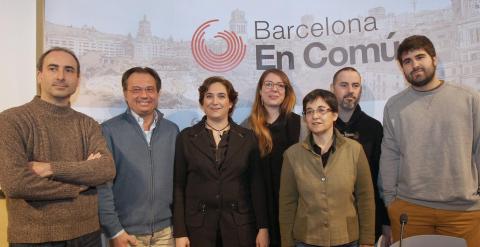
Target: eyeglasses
321 110
139 90
271 85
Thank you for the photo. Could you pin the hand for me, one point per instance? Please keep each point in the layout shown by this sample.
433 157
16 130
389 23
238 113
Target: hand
123 240
94 156
83 188
42 169
262 238
182 242
387 235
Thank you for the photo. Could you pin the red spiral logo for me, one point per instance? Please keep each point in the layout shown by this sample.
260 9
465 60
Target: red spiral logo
211 61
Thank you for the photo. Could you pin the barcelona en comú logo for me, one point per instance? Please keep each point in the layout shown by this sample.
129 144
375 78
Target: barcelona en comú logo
209 60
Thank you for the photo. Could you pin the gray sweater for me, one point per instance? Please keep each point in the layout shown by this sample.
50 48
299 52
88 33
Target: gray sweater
430 150
140 197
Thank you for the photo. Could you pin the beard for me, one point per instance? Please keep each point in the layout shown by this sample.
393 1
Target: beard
349 104
424 80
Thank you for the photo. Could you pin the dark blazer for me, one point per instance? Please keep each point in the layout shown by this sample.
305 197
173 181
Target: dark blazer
207 200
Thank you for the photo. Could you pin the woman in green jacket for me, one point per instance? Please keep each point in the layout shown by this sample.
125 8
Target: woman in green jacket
326 193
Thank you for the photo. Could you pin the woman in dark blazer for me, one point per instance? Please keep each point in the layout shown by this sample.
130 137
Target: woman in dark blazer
219 195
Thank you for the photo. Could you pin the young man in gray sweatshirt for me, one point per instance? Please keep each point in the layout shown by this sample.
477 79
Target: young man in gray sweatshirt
135 209
430 159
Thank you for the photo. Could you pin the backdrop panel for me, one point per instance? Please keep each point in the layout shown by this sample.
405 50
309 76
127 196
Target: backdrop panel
187 41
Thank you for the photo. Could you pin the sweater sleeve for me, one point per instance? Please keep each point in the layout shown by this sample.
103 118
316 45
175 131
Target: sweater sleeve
106 211
88 172
16 179
476 136
381 210
288 202
106 206
389 160
365 200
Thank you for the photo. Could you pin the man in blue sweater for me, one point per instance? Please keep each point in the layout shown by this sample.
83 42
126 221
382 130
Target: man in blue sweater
135 209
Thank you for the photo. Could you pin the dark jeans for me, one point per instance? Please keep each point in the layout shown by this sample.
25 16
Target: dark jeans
352 244
88 240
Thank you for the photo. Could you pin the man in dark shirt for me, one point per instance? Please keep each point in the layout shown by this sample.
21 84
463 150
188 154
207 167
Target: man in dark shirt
356 124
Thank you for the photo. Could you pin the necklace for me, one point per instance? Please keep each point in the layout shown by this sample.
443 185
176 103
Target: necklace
219 131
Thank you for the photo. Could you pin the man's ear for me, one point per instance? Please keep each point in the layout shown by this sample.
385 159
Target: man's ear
39 79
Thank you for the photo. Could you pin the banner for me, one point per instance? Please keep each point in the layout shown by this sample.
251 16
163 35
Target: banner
188 41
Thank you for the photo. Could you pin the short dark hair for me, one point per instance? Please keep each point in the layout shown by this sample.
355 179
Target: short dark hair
327 96
41 60
232 94
415 42
142 70
344 69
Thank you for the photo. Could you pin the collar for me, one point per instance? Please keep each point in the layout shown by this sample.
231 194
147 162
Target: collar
140 120
338 141
432 91
357 113
234 128
280 122
316 148
47 108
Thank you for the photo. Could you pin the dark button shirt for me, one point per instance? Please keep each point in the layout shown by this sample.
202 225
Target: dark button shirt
219 151
318 150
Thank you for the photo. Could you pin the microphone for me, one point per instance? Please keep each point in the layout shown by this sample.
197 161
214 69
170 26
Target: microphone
403 222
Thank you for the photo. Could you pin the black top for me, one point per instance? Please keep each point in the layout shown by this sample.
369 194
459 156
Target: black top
368 132
210 200
318 150
219 151
285 132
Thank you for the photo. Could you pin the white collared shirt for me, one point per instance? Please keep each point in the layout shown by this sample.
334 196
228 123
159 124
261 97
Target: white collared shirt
147 133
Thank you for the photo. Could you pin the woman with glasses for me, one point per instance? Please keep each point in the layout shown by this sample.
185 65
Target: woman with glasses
277 127
326 193
219 196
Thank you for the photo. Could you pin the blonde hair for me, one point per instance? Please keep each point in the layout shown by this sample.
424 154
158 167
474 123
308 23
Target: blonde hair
258 116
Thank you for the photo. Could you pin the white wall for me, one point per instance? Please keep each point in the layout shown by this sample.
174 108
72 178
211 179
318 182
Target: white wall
17 52
17 65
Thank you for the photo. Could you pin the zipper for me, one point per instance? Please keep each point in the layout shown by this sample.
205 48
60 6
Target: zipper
152 196
152 181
